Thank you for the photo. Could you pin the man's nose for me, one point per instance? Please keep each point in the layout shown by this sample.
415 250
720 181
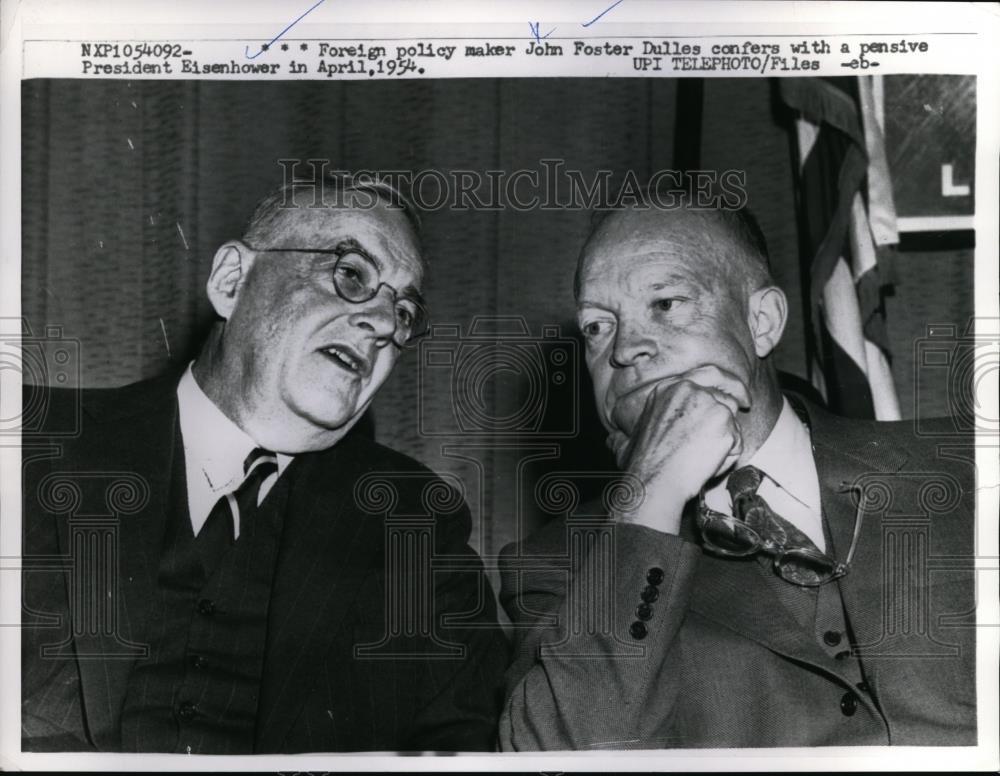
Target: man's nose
378 314
632 345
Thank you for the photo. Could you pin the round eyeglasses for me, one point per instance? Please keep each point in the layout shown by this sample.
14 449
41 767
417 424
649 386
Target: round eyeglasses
731 537
357 280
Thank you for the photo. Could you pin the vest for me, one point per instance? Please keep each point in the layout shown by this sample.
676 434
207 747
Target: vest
197 691
820 612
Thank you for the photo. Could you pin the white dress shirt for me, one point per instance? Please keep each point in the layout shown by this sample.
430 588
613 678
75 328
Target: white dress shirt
790 485
214 451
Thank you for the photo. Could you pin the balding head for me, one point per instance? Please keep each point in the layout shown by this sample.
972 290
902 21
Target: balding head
729 244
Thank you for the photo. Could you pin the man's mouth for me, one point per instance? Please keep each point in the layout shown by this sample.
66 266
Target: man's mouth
346 358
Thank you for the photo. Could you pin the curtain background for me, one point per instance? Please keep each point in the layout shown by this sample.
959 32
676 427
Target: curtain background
128 188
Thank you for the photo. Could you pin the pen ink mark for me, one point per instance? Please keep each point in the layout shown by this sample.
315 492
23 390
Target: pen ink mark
534 31
587 24
130 143
266 46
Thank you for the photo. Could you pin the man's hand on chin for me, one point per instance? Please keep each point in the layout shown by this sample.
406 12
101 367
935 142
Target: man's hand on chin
685 434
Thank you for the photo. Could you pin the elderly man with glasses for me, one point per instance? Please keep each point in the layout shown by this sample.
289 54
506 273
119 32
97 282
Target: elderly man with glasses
772 575
261 598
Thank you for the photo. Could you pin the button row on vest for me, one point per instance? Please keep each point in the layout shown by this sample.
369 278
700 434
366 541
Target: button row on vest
186 711
848 704
206 607
831 638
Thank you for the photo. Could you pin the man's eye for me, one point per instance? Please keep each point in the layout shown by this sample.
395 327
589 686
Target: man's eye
348 273
405 316
593 328
664 305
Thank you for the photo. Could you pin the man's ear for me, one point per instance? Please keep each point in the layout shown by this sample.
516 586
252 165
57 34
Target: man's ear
768 313
230 266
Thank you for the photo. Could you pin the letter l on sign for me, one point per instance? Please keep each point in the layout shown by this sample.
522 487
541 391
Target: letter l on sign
948 187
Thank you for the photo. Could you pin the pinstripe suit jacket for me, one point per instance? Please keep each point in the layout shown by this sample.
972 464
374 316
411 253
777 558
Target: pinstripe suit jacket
723 662
94 515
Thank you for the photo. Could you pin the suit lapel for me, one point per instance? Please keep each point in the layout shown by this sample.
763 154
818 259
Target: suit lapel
725 588
328 546
737 594
128 447
851 456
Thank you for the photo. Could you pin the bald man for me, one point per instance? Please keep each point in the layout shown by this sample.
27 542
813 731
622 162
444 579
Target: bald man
753 590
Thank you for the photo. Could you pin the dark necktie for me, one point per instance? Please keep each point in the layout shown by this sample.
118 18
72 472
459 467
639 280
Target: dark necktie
217 535
749 507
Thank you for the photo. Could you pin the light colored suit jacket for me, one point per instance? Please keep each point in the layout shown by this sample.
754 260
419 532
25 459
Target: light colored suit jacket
723 660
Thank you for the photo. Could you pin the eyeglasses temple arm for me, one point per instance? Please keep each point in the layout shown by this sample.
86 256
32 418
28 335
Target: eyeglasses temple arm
858 517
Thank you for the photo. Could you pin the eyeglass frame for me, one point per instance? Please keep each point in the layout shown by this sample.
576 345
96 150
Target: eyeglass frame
768 547
342 251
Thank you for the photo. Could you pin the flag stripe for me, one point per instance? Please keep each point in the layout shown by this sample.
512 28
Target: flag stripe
840 267
881 205
847 385
842 315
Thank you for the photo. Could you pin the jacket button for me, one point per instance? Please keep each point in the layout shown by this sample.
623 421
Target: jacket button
848 704
206 607
638 630
644 612
649 594
655 575
186 711
831 638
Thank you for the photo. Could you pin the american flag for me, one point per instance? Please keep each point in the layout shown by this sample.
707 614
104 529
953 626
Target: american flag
846 217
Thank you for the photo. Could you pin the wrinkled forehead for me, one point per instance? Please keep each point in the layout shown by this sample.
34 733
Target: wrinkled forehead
381 231
634 242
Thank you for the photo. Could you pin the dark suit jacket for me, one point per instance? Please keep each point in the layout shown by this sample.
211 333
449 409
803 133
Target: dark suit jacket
723 662
437 690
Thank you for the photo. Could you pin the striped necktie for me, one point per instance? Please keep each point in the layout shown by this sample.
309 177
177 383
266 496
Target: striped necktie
218 534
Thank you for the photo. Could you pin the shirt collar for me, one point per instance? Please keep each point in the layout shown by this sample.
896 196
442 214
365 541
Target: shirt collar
211 440
787 458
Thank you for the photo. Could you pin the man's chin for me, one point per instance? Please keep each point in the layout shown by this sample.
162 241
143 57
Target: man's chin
334 413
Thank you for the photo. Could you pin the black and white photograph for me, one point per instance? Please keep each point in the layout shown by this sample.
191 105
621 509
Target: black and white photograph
374 392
